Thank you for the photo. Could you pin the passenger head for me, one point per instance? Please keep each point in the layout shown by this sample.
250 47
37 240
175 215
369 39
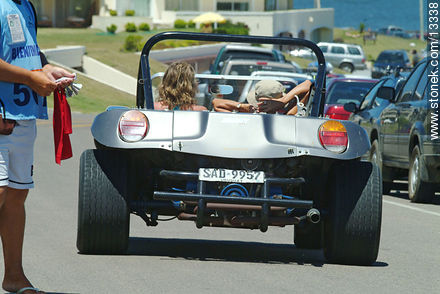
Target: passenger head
178 86
266 89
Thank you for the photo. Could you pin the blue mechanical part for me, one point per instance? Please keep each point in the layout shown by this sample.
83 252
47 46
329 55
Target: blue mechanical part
235 190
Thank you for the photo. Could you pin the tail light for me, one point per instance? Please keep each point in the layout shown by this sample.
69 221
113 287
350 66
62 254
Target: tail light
333 136
261 63
363 60
336 112
133 126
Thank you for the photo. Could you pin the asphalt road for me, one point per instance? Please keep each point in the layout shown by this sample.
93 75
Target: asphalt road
175 257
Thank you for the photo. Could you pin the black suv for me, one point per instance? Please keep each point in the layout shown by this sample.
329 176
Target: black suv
389 59
405 142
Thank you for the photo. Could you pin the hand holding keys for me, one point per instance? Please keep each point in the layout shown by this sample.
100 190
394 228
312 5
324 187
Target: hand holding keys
72 89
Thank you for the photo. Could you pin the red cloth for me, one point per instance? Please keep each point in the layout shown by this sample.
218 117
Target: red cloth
62 126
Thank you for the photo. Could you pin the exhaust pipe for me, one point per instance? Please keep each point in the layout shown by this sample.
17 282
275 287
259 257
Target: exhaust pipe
313 216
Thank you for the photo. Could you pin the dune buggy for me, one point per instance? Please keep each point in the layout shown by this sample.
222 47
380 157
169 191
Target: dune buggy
234 170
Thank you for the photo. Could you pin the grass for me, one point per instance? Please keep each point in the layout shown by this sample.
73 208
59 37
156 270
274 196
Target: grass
382 42
94 97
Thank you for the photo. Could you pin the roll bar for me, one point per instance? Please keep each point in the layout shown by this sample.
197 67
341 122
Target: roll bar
144 95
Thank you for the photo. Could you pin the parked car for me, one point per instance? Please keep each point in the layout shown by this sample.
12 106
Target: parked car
347 57
233 170
390 60
405 144
368 112
344 90
233 51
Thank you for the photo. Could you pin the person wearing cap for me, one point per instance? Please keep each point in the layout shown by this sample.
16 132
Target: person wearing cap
268 96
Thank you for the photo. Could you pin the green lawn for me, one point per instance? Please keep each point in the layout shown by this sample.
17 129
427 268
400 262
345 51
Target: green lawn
382 43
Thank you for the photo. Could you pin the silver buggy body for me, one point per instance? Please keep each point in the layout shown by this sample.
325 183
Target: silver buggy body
236 170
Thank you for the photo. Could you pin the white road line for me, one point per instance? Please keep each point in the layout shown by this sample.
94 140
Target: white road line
410 207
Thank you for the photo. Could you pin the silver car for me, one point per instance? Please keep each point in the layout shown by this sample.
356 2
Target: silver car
232 170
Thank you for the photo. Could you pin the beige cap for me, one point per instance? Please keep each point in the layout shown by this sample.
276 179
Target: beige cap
265 88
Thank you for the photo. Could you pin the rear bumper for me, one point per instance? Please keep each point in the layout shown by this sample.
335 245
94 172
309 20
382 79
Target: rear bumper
263 203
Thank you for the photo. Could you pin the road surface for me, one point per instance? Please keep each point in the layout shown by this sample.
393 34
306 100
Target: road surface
175 257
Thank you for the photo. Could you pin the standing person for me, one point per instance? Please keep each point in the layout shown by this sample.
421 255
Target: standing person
178 88
415 57
25 79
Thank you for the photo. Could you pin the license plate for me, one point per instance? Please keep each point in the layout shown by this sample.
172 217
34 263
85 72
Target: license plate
230 175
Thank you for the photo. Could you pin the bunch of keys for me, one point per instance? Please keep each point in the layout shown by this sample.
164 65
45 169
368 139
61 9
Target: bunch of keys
72 89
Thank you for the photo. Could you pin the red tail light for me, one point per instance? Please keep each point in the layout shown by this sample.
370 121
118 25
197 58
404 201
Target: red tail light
363 60
333 136
261 63
336 112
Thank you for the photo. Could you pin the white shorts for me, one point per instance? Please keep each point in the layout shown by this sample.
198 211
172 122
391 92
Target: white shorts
17 155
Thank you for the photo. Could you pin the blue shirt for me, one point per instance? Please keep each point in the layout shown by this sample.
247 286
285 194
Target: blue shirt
19 47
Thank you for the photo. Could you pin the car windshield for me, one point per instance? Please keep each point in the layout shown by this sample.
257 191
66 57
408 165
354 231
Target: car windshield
345 92
236 54
390 57
248 69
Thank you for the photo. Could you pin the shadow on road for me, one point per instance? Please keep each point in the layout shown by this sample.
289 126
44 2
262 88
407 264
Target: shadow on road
399 190
229 251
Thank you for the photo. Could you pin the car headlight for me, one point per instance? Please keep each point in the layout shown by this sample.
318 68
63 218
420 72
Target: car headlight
333 136
133 126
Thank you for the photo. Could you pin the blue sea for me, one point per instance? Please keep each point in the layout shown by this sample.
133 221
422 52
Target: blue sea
374 14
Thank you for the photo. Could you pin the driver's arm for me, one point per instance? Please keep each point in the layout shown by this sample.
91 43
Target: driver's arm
225 105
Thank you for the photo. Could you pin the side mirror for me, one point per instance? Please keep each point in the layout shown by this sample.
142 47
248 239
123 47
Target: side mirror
386 93
221 89
350 107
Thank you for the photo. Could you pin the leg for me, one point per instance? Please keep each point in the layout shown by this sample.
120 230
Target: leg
12 223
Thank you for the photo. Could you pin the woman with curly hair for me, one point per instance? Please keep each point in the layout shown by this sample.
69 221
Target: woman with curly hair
178 88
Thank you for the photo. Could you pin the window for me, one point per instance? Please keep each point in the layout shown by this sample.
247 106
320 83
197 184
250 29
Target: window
270 5
421 86
370 95
338 50
408 89
354 51
233 6
323 48
186 5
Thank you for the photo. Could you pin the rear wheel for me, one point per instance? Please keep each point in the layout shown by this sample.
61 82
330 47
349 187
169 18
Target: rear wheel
352 230
103 214
376 157
418 190
348 67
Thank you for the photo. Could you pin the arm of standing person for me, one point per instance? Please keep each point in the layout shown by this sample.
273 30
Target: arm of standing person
36 80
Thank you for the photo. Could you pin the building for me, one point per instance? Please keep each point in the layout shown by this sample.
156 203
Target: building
264 17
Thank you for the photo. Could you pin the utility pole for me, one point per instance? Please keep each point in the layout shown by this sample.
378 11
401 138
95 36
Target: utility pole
317 4
422 25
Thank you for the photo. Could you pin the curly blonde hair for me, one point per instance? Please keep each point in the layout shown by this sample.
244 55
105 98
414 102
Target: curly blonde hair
178 86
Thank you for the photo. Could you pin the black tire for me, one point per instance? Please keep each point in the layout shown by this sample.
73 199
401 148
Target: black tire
352 230
418 190
308 236
376 157
103 213
348 67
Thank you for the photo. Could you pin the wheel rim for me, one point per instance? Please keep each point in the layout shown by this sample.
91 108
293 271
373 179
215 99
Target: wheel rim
414 175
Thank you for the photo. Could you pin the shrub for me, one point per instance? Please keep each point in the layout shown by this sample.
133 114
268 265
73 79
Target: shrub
130 27
179 24
144 27
112 28
133 43
361 27
228 27
191 24
113 12
129 12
